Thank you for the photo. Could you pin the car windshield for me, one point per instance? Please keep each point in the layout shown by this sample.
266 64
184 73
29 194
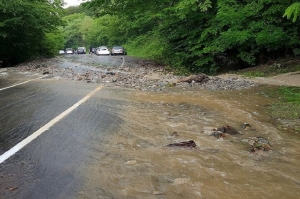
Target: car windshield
69 49
118 47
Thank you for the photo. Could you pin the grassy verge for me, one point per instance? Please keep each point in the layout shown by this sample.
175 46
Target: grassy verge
288 107
271 70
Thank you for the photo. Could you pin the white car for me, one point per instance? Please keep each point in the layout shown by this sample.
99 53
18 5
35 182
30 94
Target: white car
61 52
69 51
103 50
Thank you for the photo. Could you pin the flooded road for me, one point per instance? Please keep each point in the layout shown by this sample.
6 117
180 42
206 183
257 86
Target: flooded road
114 144
138 165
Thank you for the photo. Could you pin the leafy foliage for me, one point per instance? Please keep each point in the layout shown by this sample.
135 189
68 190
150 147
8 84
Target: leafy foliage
24 25
83 30
198 35
51 43
148 46
74 31
293 11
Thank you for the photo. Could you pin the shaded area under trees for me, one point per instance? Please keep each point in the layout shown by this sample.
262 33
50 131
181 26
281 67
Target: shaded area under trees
28 28
204 35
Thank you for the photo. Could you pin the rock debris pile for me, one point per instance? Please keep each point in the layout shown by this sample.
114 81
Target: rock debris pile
143 77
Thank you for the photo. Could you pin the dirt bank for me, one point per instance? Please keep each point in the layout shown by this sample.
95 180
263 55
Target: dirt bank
286 79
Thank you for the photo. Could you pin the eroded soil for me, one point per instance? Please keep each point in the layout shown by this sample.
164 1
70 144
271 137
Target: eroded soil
286 79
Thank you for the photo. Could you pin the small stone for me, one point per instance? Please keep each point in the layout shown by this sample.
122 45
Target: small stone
246 125
157 193
175 134
190 143
12 188
227 129
131 162
181 180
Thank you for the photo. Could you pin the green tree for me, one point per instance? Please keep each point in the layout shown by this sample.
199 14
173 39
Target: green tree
73 30
293 11
23 27
245 33
105 30
199 35
52 42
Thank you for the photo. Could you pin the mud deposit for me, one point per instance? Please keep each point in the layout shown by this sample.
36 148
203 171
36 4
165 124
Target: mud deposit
138 165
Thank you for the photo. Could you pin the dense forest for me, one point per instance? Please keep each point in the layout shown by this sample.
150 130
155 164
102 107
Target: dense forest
189 35
29 28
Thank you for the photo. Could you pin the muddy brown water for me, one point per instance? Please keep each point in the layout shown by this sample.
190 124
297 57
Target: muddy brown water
134 162
138 165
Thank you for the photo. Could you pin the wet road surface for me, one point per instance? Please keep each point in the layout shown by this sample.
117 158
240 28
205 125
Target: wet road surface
51 166
113 144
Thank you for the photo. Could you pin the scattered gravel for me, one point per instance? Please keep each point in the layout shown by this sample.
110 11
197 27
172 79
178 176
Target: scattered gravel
143 75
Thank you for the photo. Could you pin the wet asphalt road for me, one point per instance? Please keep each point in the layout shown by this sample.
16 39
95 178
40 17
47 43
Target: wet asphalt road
53 165
111 146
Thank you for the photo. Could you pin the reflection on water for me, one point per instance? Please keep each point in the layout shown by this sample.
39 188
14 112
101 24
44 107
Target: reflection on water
138 165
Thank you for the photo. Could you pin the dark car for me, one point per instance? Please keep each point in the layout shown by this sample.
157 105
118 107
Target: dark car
118 50
81 50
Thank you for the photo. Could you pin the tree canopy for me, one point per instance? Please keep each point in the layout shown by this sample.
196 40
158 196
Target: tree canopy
25 25
205 35
192 35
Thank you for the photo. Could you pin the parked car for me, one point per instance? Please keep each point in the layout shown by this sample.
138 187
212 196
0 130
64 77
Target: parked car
69 51
118 50
61 52
103 50
81 50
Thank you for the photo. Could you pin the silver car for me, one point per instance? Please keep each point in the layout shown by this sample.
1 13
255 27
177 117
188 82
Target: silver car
118 50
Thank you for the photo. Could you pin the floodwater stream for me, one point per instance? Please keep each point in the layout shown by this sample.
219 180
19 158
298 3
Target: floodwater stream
133 160
137 163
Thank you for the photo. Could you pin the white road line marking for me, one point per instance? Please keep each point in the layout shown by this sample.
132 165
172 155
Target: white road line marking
46 127
22 83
